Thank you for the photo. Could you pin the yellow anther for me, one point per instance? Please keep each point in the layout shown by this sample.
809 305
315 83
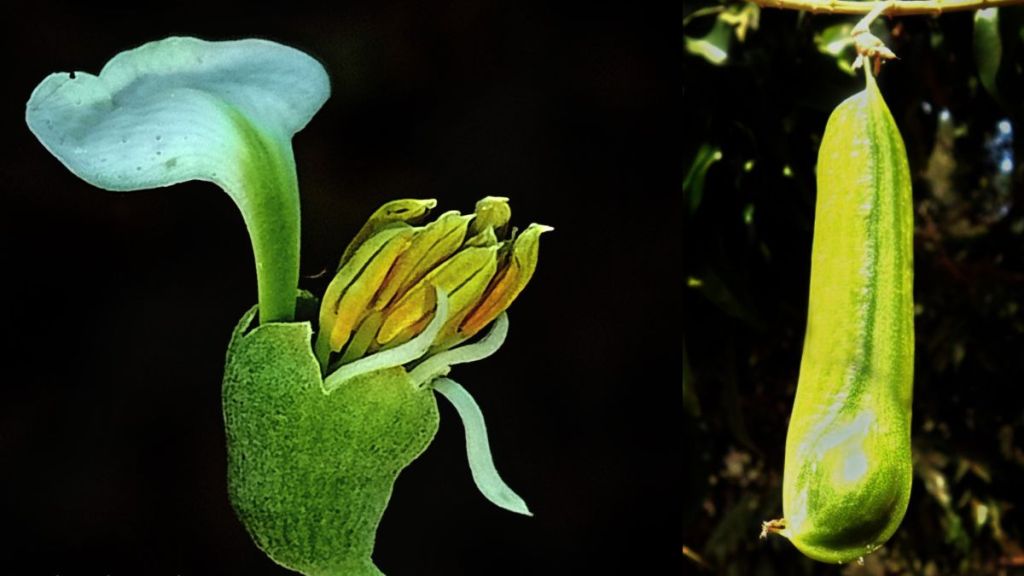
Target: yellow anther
491 212
359 278
485 237
385 292
363 337
454 276
462 302
357 298
508 282
404 211
431 245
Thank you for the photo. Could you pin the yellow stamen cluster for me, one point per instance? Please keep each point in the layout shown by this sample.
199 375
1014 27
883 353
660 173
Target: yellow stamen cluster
383 293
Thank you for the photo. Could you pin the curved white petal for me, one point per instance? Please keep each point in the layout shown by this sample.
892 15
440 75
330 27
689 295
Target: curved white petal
478 449
410 351
163 113
440 363
186 109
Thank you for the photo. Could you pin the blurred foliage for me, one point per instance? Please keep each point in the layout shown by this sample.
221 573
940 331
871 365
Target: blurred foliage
988 48
734 20
693 183
752 125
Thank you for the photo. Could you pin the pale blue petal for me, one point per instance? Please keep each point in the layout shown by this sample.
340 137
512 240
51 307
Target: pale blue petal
185 109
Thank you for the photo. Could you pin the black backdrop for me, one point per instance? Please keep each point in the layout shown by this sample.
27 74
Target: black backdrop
119 306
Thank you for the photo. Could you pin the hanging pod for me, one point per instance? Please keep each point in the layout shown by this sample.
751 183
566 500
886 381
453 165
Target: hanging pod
848 470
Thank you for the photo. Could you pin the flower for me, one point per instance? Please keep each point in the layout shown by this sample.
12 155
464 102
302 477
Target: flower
315 442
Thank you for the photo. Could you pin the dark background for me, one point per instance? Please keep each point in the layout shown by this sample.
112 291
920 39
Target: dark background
748 246
119 306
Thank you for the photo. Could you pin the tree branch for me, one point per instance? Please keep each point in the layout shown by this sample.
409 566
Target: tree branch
898 8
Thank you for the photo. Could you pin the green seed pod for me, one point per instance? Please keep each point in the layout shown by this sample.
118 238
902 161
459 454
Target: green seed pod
848 468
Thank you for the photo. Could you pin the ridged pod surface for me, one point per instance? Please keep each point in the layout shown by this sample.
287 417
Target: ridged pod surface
848 470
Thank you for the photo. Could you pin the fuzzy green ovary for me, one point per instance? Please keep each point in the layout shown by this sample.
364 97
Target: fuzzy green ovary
310 473
844 498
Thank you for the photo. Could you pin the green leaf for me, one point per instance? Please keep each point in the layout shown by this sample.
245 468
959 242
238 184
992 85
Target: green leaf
310 473
478 449
693 183
988 48
184 109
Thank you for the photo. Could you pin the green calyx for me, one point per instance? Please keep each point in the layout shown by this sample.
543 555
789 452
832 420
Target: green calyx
310 473
312 460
